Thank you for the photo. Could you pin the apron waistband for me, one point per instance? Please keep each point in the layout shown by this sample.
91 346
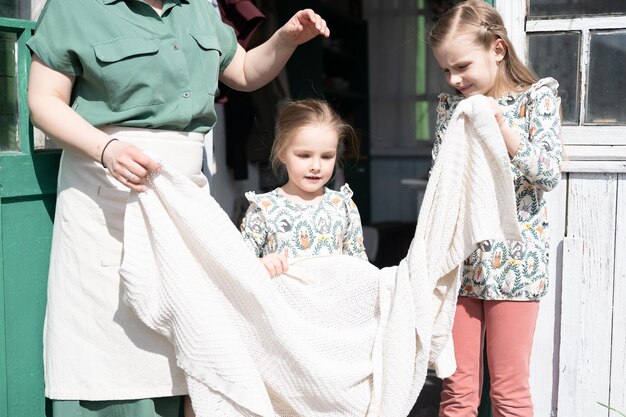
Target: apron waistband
146 133
182 151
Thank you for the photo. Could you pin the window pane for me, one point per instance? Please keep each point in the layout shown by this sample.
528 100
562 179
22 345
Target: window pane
556 55
575 7
606 100
8 97
8 8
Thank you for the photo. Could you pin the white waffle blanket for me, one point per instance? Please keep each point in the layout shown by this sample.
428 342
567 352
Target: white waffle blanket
336 336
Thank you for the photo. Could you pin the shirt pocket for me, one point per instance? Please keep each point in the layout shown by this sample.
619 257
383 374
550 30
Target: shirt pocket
210 54
128 67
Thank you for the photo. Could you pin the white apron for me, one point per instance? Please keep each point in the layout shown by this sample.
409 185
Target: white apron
95 348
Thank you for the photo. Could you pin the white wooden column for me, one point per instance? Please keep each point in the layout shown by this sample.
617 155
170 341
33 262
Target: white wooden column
513 13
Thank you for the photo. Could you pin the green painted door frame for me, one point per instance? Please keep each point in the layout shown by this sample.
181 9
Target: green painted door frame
27 199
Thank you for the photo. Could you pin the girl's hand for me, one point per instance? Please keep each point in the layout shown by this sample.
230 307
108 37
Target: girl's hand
129 165
497 112
302 27
511 139
275 263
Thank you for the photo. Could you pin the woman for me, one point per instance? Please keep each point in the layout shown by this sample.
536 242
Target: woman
126 82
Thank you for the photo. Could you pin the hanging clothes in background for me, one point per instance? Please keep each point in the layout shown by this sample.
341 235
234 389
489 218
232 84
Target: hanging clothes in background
250 118
243 16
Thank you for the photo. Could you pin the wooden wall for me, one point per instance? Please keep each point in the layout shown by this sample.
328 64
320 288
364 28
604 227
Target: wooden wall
579 355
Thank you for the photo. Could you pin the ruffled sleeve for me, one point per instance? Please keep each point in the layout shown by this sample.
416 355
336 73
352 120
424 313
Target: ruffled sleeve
353 237
60 49
539 155
253 226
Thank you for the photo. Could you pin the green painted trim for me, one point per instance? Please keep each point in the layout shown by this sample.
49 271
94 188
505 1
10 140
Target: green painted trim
26 172
27 175
7 24
420 57
24 127
490 2
4 391
422 112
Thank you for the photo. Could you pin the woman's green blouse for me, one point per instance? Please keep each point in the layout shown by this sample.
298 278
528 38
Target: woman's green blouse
133 67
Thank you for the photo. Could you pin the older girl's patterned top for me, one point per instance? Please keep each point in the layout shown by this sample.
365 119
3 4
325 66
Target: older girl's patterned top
274 224
509 270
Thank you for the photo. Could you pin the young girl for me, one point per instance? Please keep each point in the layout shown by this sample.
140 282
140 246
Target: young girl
502 280
304 218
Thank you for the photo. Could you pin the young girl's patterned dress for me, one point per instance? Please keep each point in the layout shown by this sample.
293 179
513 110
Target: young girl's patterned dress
508 270
274 224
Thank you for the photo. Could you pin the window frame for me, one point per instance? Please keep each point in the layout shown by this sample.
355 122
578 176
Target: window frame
590 148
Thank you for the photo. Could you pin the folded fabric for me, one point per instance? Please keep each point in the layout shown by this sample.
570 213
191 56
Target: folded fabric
335 336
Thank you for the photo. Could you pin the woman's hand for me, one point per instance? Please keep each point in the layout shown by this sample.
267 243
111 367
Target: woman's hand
275 263
253 69
302 27
49 93
129 165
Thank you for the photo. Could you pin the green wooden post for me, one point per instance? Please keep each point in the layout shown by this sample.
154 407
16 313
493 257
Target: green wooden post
27 198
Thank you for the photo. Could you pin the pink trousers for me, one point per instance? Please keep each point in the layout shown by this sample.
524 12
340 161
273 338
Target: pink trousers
509 328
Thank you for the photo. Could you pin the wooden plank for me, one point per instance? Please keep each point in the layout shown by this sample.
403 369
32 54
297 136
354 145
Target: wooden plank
16 25
594 166
27 228
25 175
595 153
513 14
544 365
593 135
587 295
618 358
571 323
580 23
25 127
4 408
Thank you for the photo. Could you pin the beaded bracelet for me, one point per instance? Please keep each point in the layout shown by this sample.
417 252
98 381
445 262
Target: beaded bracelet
104 149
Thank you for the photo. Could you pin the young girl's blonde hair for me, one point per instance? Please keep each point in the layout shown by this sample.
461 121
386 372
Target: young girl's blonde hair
302 113
485 21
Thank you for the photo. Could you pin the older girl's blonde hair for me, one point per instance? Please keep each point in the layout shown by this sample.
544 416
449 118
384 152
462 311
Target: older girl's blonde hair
479 17
302 113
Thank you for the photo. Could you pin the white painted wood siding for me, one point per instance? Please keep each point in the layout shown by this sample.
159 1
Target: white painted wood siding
587 295
618 356
579 357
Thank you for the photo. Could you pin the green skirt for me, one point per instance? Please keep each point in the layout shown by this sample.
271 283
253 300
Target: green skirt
151 407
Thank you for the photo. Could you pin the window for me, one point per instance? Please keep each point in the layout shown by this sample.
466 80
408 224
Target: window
606 99
575 8
9 76
8 98
583 45
557 55
405 79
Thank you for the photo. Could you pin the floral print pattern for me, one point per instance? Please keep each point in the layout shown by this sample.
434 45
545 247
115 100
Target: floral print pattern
274 224
509 270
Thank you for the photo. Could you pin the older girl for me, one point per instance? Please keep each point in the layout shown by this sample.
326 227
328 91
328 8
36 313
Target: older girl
502 280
